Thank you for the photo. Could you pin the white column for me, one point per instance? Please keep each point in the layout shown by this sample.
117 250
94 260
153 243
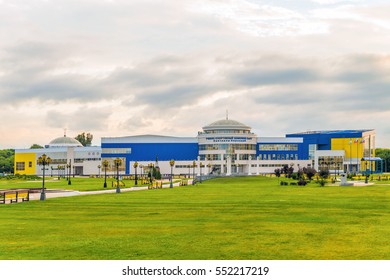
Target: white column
222 164
257 165
250 166
228 166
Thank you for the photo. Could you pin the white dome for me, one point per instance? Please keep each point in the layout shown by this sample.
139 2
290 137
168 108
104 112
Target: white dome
226 125
64 142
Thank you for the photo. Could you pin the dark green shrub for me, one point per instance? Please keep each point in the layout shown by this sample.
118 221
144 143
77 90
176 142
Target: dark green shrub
302 182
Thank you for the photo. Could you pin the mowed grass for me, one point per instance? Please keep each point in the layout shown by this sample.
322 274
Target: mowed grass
231 218
77 183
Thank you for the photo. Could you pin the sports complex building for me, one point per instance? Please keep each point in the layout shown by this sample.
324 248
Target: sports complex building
225 147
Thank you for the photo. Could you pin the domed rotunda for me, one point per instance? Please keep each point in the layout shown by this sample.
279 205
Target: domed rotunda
228 146
64 142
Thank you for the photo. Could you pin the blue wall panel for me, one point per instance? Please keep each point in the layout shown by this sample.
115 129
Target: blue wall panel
149 151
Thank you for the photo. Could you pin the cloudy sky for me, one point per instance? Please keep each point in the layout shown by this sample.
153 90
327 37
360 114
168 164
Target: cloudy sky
170 67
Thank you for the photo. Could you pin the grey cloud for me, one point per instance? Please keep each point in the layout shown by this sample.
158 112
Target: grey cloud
289 98
175 96
87 119
258 77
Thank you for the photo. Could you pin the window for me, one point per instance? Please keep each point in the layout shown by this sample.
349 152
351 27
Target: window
312 149
278 147
116 150
30 164
20 166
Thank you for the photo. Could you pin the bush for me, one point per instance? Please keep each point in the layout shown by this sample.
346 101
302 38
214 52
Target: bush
295 176
302 182
324 174
322 182
293 184
282 183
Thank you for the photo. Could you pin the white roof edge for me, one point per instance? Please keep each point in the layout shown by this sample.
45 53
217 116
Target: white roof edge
277 140
57 149
149 139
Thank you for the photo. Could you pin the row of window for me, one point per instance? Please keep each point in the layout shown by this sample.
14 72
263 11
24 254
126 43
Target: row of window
278 156
232 131
21 166
227 147
278 147
116 150
233 157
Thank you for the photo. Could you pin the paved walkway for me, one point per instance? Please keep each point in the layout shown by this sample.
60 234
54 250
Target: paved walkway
66 193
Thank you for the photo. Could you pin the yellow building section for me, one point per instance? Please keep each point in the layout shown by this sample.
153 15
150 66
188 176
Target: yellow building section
25 163
353 147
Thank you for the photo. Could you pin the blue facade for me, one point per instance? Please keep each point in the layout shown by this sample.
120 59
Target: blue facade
149 151
323 139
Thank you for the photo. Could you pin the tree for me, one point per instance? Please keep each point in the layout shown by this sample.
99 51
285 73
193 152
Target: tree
290 171
277 172
324 174
84 138
385 155
285 170
36 146
7 161
310 172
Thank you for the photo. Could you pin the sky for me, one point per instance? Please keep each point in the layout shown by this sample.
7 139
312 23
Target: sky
169 67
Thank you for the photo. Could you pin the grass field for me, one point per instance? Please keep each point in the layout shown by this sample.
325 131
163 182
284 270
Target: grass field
231 218
77 183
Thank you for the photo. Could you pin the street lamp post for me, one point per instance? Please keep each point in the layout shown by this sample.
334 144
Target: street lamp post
366 180
117 162
105 165
151 169
171 163
43 160
193 172
69 170
135 168
200 166
99 166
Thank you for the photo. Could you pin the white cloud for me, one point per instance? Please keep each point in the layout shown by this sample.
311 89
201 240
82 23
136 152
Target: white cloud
261 20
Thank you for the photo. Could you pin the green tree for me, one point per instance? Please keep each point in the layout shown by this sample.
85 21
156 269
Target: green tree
7 161
310 172
36 146
385 155
84 138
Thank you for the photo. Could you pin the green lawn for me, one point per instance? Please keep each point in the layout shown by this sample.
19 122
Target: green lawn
232 218
77 183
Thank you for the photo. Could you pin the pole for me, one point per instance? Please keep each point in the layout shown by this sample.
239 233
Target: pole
350 155
171 185
118 190
43 194
136 181
105 177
